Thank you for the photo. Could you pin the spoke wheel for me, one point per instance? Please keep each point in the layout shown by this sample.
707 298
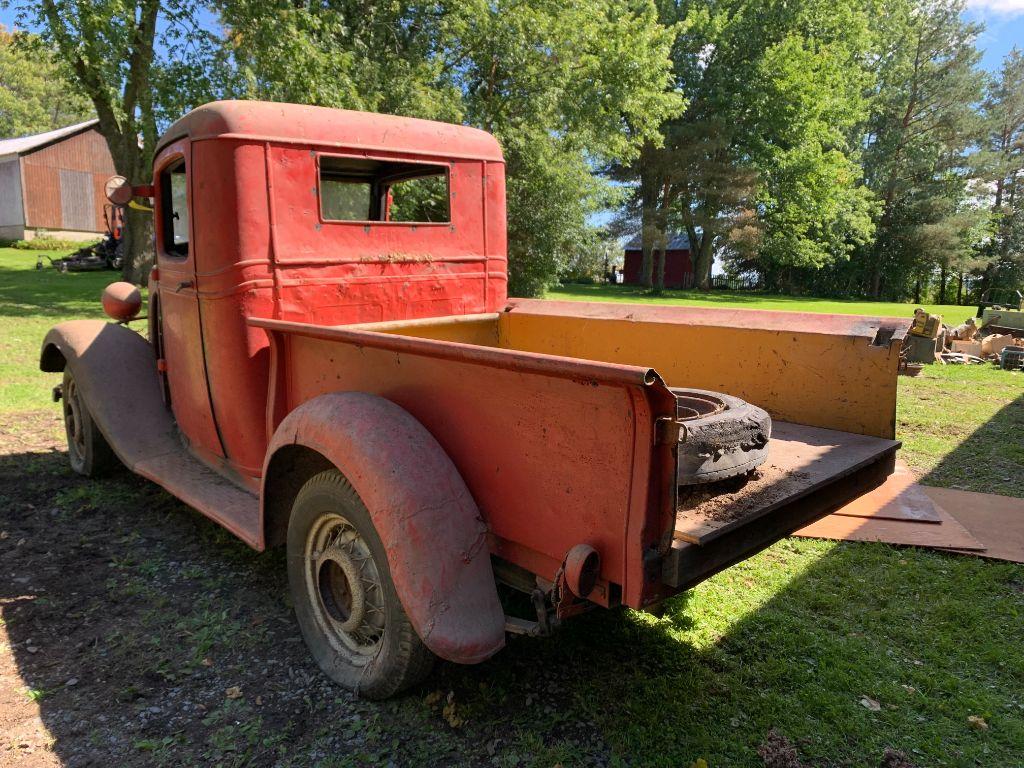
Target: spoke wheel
345 599
74 425
344 587
88 451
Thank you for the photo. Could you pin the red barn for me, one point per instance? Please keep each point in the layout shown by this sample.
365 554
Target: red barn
678 266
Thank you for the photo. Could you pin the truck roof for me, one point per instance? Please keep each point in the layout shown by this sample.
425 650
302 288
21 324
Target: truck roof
303 124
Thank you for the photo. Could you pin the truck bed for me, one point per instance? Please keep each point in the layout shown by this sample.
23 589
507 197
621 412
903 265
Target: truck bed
809 472
559 417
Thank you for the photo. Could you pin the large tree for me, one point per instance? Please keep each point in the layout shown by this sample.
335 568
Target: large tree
758 167
1002 161
923 123
35 93
564 87
138 62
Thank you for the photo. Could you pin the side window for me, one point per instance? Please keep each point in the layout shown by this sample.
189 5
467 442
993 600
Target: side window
423 198
174 208
365 190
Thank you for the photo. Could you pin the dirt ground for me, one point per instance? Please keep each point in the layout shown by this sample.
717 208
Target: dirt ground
135 632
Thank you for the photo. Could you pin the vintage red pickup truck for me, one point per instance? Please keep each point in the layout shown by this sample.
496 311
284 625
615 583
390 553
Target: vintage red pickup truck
333 365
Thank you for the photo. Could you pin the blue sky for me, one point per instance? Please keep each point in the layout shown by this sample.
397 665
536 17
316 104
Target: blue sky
1004 28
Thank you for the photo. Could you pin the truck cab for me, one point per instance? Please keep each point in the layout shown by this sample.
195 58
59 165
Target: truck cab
333 365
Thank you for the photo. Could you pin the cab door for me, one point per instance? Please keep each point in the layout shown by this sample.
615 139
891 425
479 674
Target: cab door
182 339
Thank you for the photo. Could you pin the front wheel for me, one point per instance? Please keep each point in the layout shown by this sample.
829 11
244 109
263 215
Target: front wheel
88 451
345 600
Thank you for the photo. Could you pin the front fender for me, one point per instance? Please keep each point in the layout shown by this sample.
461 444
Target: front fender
430 526
115 370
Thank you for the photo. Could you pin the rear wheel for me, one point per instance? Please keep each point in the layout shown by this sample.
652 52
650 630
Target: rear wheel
345 600
88 451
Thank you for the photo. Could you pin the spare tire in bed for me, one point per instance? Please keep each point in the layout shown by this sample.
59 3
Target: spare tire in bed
722 436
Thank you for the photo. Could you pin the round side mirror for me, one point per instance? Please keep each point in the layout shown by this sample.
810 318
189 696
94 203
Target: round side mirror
118 191
121 301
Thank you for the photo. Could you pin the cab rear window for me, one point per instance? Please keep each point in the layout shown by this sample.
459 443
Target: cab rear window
366 190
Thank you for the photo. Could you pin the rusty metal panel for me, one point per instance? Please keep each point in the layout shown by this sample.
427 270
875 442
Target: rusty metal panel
50 203
86 151
42 196
832 371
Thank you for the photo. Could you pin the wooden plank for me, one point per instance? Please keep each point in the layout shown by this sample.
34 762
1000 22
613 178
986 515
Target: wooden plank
898 498
948 533
801 460
995 521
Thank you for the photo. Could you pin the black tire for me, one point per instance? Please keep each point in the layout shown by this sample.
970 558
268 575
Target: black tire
88 451
362 638
728 441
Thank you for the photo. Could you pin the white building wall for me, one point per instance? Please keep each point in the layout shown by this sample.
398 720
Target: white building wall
12 208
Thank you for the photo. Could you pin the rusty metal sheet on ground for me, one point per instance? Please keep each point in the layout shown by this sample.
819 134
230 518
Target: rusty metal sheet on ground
996 521
948 533
898 498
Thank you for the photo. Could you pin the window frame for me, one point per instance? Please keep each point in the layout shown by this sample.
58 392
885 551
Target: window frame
443 165
165 196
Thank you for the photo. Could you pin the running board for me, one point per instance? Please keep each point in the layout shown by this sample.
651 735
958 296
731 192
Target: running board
809 473
115 370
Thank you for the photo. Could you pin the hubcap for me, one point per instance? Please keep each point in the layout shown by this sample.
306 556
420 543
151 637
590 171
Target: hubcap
344 587
73 422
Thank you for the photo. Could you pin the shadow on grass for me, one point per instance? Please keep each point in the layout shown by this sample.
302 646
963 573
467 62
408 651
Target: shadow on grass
990 459
146 635
48 293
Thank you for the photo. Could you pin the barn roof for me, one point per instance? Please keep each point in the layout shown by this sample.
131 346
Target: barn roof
677 241
23 144
301 123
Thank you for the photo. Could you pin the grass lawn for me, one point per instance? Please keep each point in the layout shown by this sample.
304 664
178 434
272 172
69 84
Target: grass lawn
796 639
754 300
31 301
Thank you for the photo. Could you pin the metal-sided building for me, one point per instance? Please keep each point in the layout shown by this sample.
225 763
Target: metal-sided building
53 182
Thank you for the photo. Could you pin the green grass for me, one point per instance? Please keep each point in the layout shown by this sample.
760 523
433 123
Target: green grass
791 639
31 302
963 427
755 300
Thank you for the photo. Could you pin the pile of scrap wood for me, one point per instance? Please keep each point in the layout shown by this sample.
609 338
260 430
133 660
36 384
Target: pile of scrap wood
929 341
980 349
947 519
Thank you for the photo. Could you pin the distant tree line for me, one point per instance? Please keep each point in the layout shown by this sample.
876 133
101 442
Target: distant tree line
848 149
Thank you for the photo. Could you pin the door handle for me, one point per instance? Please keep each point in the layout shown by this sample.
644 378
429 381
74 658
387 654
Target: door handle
183 285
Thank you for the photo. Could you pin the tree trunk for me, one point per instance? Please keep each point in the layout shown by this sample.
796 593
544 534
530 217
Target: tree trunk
648 214
138 246
942 284
702 262
138 230
960 289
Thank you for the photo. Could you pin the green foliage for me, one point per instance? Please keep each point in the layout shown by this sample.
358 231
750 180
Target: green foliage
922 123
1001 161
47 244
36 93
563 87
759 167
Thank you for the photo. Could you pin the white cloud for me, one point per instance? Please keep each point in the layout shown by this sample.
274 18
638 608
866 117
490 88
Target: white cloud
997 7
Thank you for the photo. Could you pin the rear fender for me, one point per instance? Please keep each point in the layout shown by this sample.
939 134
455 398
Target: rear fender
430 526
